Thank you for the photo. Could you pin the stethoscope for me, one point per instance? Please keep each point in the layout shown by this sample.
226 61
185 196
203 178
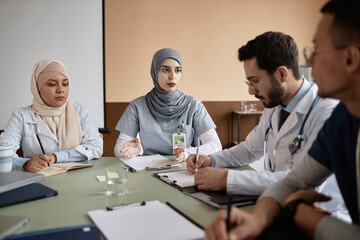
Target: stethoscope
294 146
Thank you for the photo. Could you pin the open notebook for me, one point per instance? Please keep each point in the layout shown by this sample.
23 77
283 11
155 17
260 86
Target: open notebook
59 168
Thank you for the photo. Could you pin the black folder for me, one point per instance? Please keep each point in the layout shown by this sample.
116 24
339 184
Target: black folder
83 232
27 193
217 199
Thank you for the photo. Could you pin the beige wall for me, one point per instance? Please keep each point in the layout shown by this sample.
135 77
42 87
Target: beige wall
206 33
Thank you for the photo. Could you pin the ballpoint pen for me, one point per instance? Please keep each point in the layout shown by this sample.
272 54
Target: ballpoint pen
42 149
143 203
197 157
161 167
228 213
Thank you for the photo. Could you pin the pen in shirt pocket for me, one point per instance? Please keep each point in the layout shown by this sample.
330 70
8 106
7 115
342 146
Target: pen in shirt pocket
42 149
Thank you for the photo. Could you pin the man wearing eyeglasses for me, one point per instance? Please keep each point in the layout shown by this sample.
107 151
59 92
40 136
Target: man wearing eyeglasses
290 122
336 68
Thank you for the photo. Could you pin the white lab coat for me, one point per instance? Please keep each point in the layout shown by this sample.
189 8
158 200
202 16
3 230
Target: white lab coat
254 183
24 125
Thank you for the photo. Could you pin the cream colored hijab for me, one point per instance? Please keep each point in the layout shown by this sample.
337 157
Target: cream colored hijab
63 121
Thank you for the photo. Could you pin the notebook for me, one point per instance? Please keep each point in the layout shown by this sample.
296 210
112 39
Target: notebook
59 168
83 232
10 224
17 179
185 182
26 193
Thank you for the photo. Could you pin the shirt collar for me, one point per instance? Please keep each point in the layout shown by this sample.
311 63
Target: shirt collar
305 86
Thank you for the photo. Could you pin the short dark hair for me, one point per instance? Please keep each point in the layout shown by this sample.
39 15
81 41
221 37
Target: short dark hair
272 50
345 28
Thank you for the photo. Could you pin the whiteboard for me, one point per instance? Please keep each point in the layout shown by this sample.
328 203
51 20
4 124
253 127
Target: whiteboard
70 31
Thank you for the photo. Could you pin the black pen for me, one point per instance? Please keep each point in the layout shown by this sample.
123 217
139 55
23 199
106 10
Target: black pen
228 213
42 149
143 203
130 168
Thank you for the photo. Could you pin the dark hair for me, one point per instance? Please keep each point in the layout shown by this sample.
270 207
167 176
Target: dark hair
272 50
345 28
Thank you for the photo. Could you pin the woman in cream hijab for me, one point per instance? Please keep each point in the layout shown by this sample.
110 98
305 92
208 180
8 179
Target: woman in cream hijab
52 129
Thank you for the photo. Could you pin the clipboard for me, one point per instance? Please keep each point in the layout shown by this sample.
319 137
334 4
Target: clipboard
217 199
149 162
146 220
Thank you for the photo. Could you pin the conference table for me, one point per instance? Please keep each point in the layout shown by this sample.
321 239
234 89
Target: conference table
79 192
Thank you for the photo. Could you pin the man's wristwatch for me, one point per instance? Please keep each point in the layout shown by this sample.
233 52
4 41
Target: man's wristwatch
289 210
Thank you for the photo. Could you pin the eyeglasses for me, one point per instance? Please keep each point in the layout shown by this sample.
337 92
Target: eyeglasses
310 52
251 85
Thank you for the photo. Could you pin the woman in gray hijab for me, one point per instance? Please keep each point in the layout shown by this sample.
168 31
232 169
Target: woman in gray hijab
167 120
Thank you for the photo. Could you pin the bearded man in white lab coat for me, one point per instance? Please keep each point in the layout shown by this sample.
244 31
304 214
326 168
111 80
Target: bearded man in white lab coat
290 122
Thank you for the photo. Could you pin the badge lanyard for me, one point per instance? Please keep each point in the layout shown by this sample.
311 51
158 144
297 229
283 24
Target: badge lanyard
293 147
179 138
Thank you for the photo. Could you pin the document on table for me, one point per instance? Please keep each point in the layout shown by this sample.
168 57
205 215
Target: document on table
150 162
152 220
180 178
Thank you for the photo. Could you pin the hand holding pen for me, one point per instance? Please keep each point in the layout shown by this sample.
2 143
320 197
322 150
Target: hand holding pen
193 162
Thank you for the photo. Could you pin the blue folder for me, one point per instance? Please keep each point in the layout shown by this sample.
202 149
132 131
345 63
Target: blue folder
85 232
27 193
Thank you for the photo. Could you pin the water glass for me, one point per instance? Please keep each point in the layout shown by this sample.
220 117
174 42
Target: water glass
6 155
116 180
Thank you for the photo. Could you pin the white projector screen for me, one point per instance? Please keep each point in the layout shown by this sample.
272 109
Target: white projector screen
70 31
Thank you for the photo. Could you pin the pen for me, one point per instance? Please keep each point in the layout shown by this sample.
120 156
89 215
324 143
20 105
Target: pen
197 157
42 149
143 203
228 213
131 169
162 167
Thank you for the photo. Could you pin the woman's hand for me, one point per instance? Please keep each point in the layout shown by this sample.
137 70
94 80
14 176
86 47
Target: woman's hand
130 148
180 154
38 162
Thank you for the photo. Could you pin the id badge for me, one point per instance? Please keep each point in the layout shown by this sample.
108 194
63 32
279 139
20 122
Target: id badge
179 140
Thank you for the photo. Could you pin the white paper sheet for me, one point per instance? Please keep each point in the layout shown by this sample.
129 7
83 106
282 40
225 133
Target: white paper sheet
149 162
182 178
155 220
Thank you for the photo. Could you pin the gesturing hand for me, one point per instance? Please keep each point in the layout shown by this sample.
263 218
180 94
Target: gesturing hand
130 148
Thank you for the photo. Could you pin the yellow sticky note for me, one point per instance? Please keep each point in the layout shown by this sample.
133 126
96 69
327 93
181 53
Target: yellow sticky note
101 178
112 175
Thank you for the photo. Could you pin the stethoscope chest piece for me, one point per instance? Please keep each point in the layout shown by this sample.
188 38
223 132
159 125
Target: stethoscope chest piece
296 144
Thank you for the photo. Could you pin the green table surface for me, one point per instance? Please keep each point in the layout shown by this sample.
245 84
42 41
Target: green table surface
80 192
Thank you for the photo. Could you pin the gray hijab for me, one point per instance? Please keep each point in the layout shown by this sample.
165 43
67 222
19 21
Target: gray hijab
162 104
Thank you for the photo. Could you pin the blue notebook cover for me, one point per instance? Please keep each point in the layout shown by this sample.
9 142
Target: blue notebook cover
27 193
86 232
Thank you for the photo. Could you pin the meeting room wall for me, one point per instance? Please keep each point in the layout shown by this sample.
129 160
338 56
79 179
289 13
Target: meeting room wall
207 34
